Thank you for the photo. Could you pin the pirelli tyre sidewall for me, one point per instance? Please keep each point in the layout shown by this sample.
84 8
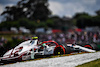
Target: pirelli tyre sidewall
91 46
59 50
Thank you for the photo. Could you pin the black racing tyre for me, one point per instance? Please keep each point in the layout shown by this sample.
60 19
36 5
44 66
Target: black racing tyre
68 50
58 51
91 46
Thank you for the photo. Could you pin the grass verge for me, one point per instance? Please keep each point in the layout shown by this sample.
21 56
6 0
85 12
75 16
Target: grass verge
95 63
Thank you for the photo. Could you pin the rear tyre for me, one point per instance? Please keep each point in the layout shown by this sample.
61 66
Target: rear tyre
92 46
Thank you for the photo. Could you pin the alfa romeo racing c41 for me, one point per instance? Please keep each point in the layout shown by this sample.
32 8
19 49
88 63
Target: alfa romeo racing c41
32 48
29 49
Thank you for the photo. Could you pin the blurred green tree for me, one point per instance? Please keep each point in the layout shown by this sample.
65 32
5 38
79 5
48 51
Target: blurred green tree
98 12
31 9
83 19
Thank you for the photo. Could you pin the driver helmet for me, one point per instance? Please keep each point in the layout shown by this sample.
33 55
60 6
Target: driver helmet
34 38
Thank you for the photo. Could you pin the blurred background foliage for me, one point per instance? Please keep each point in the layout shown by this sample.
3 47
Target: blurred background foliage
35 13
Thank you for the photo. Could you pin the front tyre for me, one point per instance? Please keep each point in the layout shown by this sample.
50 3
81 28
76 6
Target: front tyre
58 51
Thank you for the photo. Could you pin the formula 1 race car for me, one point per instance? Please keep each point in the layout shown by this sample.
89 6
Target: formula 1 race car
29 49
32 48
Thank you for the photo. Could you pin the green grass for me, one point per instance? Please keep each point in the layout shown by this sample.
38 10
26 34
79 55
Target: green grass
95 63
9 36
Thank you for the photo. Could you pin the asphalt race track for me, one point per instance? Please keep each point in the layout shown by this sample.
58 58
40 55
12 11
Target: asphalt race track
67 61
